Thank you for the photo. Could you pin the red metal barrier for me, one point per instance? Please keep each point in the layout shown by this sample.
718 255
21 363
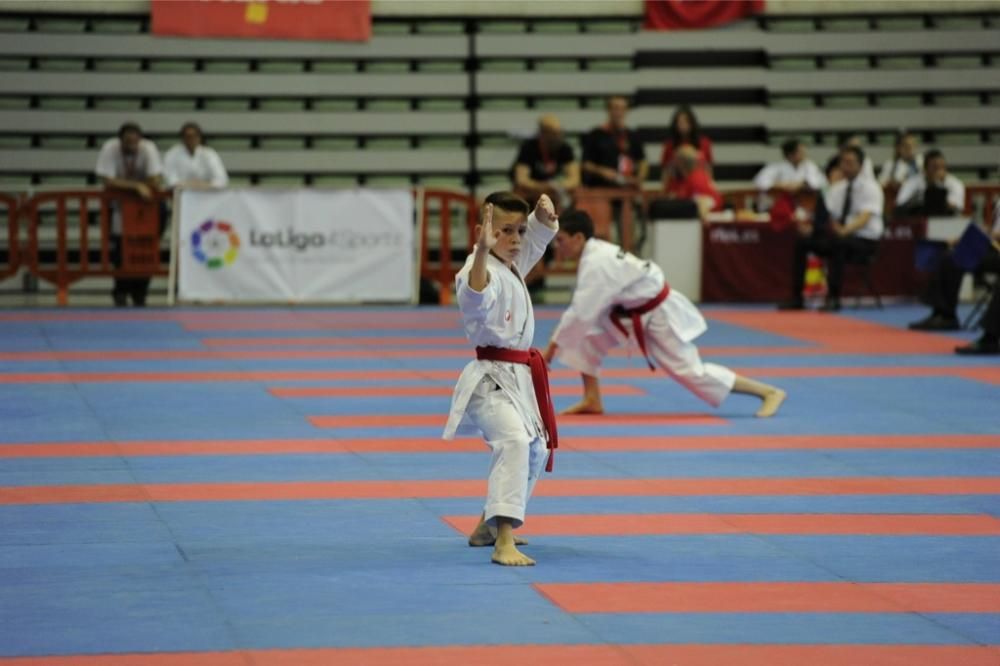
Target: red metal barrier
12 205
443 271
139 239
990 195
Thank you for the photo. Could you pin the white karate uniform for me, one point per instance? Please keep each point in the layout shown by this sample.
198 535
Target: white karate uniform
608 277
497 399
181 167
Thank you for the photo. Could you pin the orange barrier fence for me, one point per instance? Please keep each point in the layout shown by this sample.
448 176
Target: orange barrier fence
135 252
450 206
81 250
12 264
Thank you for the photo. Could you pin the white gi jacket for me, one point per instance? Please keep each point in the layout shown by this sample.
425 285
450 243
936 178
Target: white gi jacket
500 316
609 276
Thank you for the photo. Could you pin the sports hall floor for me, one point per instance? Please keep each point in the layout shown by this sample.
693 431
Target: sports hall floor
264 487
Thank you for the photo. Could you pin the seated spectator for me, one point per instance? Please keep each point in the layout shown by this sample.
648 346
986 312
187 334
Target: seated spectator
846 140
613 155
906 162
934 192
685 131
793 174
945 283
129 163
193 164
832 171
854 227
691 181
785 181
546 165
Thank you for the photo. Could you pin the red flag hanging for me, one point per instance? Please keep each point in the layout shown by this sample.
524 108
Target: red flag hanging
348 20
696 14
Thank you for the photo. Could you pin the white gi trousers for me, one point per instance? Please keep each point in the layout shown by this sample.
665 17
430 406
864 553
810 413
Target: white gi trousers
678 358
519 456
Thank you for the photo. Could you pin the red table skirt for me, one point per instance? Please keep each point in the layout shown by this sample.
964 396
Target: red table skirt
752 262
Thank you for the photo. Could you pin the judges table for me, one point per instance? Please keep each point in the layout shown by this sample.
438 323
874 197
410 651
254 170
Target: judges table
752 262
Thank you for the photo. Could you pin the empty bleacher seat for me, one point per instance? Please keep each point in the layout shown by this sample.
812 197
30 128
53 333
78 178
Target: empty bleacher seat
398 107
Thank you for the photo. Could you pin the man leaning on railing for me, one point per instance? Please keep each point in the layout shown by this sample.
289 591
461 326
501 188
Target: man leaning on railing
129 163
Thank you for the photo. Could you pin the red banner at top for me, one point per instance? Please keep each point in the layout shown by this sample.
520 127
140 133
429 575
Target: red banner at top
697 14
348 20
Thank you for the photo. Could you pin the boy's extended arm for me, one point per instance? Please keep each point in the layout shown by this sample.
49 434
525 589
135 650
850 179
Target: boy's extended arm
479 277
593 295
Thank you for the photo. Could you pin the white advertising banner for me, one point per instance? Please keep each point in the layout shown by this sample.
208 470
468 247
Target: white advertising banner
298 246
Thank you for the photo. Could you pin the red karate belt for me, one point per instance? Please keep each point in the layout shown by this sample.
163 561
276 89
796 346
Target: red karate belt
539 379
635 314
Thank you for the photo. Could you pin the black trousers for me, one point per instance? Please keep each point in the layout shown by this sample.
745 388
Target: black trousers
837 251
946 281
991 318
125 288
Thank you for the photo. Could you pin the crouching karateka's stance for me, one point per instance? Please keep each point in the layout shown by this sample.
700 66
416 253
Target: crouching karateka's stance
504 394
618 294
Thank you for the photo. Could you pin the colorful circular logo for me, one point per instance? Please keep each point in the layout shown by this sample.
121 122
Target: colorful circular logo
215 244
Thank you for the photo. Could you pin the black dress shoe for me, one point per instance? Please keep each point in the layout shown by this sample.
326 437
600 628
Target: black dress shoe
979 348
936 322
832 305
792 305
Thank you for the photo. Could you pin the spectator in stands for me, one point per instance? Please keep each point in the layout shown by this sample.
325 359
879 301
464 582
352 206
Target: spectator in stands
847 140
832 172
785 181
793 174
685 131
690 180
193 164
613 155
946 282
906 162
852 231
546 165
129 163
934 192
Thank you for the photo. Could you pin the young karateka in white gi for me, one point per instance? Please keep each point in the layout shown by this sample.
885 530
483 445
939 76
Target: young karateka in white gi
619 295
502 399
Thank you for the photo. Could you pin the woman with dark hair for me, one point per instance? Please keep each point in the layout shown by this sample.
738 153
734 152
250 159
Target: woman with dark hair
685 131
193 164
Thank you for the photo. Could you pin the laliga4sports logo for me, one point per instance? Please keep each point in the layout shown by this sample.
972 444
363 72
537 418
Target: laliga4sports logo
215 244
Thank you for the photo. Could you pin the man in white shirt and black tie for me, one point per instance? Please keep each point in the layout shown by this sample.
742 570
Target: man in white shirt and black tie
853 231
